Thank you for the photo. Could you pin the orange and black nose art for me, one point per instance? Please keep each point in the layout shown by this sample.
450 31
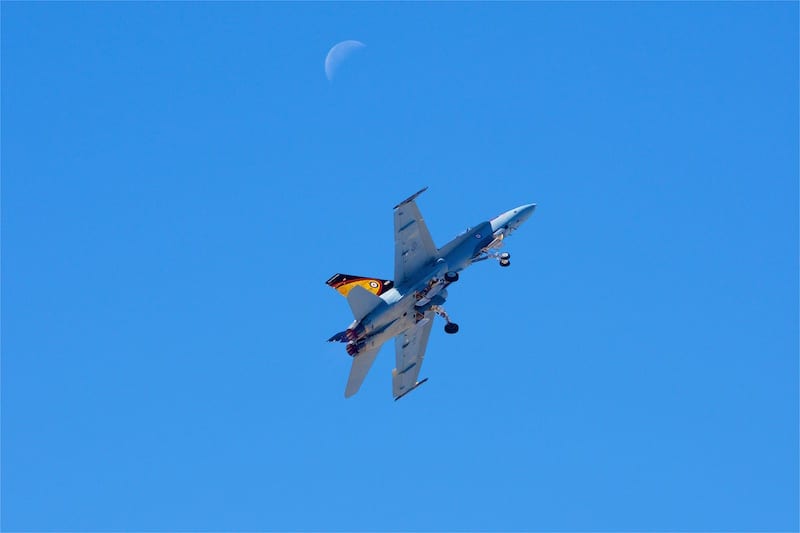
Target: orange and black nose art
344 283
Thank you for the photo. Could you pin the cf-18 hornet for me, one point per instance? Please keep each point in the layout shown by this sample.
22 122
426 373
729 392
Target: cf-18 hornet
404 308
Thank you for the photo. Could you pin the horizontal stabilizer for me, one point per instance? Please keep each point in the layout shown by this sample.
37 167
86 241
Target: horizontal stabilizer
339 337
359 369
362 302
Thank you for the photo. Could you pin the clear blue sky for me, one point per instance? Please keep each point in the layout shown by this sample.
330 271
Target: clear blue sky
179 180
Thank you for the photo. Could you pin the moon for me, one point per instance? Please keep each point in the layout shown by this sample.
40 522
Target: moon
339 53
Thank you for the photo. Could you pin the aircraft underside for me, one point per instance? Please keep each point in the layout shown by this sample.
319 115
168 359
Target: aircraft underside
403 309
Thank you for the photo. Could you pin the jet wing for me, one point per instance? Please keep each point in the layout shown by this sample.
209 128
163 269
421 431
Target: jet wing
413 246
409 352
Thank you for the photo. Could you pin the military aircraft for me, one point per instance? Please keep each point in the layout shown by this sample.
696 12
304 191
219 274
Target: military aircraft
403 308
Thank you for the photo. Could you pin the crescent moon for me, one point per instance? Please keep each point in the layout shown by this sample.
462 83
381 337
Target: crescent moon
339 53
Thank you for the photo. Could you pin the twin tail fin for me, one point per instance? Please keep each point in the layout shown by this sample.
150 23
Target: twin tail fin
344 283
362 302
362 293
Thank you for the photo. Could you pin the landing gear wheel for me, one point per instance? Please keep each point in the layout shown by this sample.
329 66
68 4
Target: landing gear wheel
505 256
505 263
451 327
451 277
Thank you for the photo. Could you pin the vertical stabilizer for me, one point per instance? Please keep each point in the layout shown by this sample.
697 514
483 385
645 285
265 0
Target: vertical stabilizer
344 283
362 301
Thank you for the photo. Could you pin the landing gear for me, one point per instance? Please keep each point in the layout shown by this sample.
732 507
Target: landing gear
450 327
505 259
451 277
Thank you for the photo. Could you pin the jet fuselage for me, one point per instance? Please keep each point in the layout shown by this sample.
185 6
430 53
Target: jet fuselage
404 306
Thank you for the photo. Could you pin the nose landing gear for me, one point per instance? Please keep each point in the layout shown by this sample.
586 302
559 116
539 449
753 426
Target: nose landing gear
450 327
503 258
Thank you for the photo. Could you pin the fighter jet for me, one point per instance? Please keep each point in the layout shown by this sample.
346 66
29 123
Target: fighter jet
404 308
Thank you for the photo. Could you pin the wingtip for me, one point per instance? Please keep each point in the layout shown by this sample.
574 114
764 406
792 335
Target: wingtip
412 197
417 384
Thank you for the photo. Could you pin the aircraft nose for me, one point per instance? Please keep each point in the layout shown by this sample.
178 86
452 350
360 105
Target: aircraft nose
513 218
526 211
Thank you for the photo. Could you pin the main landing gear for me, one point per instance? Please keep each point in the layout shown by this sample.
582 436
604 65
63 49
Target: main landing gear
451 277
505 259
450 327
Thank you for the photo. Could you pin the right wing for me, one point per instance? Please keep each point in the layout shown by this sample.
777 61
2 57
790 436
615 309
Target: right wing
409 352
413 246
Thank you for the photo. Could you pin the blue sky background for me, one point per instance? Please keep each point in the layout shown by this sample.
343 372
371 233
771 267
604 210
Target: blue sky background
179 180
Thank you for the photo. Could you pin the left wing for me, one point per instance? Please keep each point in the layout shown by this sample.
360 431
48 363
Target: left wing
409 352
413 246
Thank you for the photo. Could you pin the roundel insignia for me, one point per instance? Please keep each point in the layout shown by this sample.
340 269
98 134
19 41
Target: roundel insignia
477 235
373 284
